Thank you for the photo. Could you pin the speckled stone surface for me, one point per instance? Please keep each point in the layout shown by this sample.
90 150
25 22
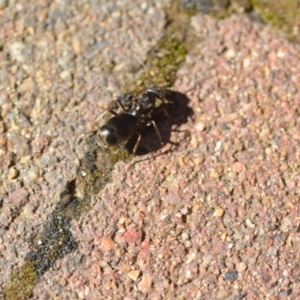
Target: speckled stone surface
215 215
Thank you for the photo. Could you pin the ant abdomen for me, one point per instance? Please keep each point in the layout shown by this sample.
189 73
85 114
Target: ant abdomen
117 130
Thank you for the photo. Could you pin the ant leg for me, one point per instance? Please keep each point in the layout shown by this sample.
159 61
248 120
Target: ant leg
136 96
157 132
167 114
119 101
113 112
122 106
134 151
136 146
94 124
86 132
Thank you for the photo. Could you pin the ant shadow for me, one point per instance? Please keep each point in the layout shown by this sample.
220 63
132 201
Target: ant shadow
179 111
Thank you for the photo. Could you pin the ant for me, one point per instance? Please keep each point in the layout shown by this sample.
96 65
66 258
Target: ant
122 126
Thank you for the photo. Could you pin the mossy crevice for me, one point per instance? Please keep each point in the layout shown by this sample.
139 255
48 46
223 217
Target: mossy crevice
22 283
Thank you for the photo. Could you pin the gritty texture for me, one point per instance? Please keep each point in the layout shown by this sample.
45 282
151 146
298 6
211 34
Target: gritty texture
61 63
214 214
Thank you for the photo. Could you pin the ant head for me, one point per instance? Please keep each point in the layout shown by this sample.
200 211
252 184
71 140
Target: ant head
157 91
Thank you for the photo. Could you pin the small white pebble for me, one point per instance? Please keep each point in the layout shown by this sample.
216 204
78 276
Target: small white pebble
218 146
280 54
33 174
246 62
65 75
184 236
200 126
122 220
249 223
285 273
188 274
184 211
163 216
191 257
230 53
144 6
178 215
219 212
16 51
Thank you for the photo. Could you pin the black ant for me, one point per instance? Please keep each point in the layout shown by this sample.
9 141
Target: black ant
122 126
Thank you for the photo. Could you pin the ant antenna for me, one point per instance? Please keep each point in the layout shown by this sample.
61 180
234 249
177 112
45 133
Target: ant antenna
145 70
148 77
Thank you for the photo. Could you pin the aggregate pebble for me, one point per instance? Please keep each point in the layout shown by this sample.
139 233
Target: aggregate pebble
134 274
18 197
231 276
32 174
12 173
219 212
145 284
107 243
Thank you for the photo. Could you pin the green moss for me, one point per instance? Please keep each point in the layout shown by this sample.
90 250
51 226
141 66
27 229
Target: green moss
117 154
22 283
163 69
164 60
76 208
111 156
95 172
282 14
